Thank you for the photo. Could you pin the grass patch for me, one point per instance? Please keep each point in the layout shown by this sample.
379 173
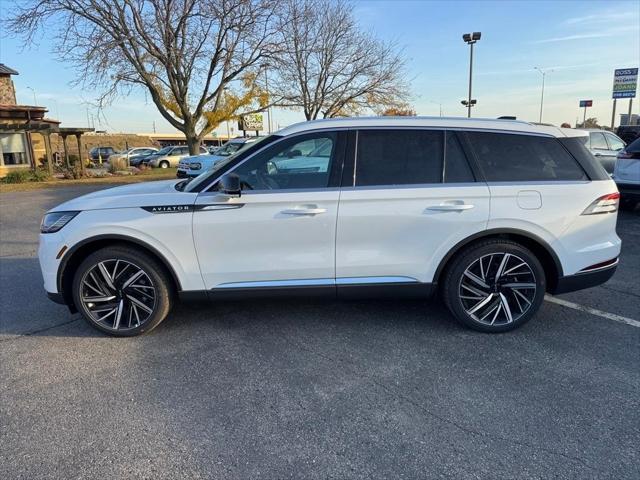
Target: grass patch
32 184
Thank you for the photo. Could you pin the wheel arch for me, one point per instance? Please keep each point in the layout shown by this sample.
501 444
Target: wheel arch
76 254
541 249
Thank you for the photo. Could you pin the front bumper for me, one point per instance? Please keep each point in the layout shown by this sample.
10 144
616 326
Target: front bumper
580 281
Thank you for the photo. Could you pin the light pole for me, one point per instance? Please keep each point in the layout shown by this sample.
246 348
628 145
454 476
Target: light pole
439 105
35 102
471 39
543 73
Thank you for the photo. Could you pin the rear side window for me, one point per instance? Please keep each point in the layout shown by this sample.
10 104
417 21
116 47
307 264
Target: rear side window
456 167
399 157
614 142
507 157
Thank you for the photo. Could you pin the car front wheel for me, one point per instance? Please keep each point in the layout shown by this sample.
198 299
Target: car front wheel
494 286
164 164
122 291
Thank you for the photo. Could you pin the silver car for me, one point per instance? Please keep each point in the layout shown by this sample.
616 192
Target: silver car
605 146
170 156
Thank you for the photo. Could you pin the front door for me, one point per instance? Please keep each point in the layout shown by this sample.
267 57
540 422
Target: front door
281 231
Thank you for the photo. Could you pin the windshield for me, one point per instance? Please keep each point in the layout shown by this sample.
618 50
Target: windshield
230 148
205 177
164 151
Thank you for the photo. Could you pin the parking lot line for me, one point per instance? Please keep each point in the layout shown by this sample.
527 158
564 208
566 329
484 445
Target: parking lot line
593 311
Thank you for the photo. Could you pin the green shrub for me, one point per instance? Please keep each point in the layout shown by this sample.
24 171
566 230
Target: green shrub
39 175
17 176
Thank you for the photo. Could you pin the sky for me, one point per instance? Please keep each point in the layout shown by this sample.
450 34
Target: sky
579 43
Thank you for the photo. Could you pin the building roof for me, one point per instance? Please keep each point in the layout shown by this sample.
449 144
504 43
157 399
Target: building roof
4 70
432 122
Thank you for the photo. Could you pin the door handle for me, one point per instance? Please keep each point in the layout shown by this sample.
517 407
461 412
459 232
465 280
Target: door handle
304 210
451 207
598 154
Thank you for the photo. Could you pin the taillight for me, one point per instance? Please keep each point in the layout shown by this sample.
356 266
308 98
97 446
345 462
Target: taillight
605 204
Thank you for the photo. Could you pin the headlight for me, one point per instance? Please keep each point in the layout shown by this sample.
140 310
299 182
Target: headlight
195 166
52 222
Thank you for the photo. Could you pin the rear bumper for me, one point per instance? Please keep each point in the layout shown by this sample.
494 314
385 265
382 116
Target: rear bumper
580 281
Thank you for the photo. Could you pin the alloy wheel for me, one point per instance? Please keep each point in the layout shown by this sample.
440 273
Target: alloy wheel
118 295
497 289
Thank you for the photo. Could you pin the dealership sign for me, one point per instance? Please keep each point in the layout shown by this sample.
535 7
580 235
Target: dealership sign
625 82
251 122
586 103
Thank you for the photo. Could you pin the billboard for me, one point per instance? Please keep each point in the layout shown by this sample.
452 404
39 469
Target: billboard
586 103
625 82
251 122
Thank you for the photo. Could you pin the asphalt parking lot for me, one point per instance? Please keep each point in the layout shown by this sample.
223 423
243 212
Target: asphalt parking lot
308 389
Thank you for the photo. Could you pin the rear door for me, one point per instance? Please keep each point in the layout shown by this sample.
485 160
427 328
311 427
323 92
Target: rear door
410 198
602 151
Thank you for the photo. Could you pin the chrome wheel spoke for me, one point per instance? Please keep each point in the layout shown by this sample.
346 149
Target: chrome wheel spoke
497 289
118 294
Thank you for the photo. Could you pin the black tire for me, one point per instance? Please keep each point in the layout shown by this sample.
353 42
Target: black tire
499 291
153 295
163 164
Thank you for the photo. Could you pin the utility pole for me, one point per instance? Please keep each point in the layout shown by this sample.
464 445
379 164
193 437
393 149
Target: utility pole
629 114
470 38
154 126
613 114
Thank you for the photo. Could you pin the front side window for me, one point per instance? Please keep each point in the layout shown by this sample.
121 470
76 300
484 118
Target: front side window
505 157
299 162
399 157
597 141
13 149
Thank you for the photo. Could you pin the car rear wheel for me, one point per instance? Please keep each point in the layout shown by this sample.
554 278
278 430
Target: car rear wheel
494 286
122 291
164 164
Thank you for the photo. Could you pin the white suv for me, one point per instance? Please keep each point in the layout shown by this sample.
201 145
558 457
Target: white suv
493 213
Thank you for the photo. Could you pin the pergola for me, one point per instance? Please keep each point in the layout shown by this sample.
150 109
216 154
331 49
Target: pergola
45 129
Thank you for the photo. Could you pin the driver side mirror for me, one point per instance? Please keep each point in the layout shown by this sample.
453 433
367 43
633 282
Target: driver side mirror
229 184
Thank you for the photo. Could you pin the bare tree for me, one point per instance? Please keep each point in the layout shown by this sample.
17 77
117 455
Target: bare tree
190 55
329 67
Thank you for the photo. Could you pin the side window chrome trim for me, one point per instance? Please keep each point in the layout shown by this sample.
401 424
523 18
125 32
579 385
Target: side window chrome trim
414 186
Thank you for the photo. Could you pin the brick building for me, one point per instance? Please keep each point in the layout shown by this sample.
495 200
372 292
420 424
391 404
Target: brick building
25 132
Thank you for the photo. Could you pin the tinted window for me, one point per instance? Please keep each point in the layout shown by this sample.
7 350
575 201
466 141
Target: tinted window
456 167
509 157
634 147
598 141
614 142
399 157
303 162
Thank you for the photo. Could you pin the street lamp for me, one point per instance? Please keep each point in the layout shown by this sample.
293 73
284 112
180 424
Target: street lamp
439 105
35 102
469 104
543 73
470 38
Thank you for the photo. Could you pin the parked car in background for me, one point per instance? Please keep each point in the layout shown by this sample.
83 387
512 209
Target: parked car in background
134 152
170 156
604 146
491 214
628 133
194 165
627 173
98 154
